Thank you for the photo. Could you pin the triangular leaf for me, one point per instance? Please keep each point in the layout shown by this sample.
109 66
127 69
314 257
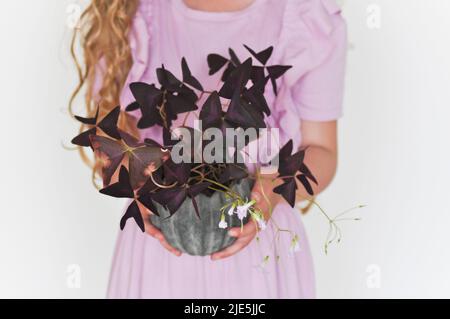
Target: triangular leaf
133 212
306 184
84 139
262 56
215 63
109 123
121 189
305 171
288 191
188 78
211 113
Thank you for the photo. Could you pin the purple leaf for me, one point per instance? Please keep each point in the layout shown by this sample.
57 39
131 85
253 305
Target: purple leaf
88 121
188 78
275 72
167 79
176 172
237 80
147 201
287 190
110 153
233 57
109 123
286 150
233 172
130 140
133 212
291 164
194 203
258 75
121 189
169 139
143 161
242 114
215 63
306 184
305 171
257 99
132 107
262 56
149 98
196 189
211 114
84 139
177 104
172 198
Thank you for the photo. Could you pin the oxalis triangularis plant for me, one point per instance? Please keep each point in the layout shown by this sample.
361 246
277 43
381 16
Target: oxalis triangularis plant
151 175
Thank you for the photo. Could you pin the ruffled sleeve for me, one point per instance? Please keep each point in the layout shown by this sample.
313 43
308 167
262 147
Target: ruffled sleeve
314 39
139 38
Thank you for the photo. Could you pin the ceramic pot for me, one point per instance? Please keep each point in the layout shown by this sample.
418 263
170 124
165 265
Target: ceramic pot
200 236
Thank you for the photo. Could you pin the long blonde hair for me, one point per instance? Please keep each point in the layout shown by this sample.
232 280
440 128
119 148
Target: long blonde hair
103 33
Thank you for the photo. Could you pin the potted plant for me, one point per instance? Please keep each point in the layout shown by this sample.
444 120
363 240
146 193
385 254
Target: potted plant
194 201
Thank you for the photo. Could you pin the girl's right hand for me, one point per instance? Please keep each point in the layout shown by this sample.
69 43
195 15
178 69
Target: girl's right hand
151 230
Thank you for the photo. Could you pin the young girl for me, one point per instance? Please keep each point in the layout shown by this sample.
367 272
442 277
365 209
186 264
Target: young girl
124 41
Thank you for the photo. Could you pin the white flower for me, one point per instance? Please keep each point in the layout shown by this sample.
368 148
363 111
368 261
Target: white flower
259 218
295 245
262 223
223 224
242 211
231 211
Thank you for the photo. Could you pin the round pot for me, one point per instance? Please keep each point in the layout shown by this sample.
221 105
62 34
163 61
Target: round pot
202 236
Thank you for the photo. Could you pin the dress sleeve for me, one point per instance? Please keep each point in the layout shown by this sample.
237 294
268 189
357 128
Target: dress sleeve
318 59
139 38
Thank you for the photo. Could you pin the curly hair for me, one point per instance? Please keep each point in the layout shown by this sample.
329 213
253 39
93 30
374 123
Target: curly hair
103 32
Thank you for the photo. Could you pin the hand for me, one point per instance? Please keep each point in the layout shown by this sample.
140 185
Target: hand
244 237
248 232
151 230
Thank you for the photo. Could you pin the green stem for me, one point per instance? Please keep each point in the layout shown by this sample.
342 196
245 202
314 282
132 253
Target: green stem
223 186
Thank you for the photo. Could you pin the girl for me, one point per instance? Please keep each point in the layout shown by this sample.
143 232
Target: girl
124 41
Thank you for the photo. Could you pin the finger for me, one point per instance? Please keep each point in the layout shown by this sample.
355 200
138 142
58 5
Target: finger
248 229
244 235
153 231
229 251
157 234
149 228
167 246
256 196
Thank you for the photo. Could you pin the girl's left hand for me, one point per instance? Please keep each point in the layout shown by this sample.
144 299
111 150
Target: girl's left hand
244 237
246 234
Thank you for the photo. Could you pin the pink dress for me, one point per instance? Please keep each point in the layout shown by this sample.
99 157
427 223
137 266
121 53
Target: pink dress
310 35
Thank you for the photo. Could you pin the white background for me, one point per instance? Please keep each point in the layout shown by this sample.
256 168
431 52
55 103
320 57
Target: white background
394 157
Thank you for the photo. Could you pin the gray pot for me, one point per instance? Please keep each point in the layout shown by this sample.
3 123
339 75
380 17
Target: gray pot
200 237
